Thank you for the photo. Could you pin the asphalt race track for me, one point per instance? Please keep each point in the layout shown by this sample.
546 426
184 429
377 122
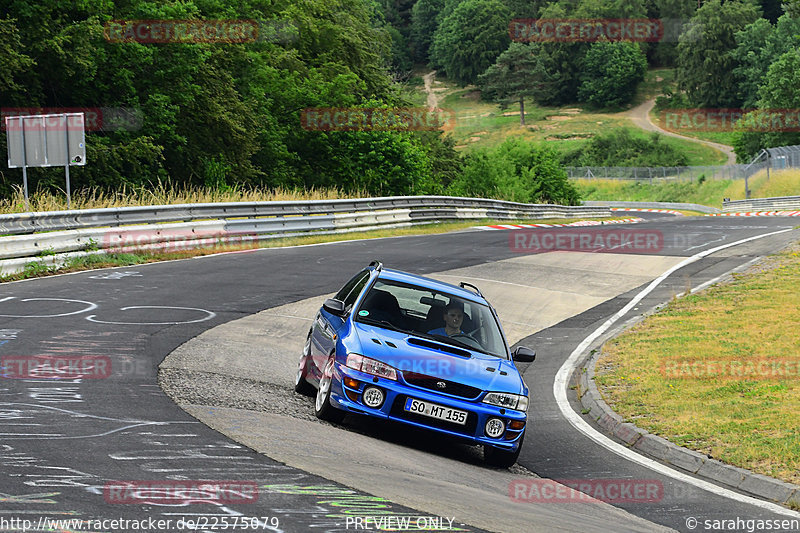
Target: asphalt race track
67 445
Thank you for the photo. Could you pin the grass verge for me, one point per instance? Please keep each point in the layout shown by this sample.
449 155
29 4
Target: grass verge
721 137
37 269
161 194
718 371
707 192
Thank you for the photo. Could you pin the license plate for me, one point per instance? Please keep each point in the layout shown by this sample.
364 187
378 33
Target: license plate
432 410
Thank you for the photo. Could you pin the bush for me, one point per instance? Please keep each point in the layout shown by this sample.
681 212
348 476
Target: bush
621 149
611 73
516 171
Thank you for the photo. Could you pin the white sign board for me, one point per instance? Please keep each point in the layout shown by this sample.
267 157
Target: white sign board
46 140
56 140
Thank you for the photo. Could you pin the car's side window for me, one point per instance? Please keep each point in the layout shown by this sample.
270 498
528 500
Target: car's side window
355 290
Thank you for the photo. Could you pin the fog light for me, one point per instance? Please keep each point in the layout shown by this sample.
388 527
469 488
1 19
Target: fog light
373 397
494 428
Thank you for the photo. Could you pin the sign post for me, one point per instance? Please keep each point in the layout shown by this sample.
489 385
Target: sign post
46 141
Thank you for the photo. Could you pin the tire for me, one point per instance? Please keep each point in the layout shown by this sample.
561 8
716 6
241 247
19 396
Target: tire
322 404
500 458
301 385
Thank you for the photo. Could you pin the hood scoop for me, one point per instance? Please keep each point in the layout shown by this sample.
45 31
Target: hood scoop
439 346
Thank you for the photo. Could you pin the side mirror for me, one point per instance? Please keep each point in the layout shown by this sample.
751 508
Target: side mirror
523 354
334 306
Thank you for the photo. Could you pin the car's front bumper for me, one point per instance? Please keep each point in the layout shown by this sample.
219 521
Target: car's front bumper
396 392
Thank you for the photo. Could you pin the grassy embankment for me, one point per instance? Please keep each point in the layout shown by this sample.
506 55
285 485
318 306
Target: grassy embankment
692 372
481 124
709 192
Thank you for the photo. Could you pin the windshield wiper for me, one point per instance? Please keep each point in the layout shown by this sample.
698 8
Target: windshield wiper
386 324
456 342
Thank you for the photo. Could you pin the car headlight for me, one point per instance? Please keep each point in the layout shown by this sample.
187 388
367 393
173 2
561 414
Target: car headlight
509 401
371 366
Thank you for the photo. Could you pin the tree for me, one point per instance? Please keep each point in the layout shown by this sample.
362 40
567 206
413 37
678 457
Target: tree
611 72
470 39
674 14
705 62
758 46
516 75
424 20
560 61
13 64
772 123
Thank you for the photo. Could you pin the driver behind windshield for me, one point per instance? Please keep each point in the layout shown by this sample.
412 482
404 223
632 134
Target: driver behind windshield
453 318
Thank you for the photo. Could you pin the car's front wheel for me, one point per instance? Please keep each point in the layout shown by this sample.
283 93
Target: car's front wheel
501 458
301 385
322 406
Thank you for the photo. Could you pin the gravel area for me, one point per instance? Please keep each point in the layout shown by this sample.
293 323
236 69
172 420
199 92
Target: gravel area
217 390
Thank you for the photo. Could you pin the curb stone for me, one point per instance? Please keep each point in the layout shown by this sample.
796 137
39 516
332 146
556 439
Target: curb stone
688 460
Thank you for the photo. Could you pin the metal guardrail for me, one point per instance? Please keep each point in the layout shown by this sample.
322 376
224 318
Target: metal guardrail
781 203
53 236
23 223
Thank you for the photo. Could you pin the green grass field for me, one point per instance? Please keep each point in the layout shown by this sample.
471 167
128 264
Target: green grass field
710 192
482 124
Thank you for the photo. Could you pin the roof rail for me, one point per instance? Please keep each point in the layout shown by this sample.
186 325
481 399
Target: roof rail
377 264
464 285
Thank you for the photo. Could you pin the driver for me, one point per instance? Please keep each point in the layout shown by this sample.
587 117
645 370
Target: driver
453 318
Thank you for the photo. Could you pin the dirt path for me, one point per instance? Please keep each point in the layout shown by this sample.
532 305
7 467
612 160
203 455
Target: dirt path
640 115
432 101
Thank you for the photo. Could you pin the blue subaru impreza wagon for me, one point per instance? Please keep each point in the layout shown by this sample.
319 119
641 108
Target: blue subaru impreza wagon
414 350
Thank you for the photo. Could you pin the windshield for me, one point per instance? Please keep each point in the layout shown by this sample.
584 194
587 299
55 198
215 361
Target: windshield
433 314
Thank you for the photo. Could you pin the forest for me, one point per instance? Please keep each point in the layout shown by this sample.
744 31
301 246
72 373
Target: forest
226 112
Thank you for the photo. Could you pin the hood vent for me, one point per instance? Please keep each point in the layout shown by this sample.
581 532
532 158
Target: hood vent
438 346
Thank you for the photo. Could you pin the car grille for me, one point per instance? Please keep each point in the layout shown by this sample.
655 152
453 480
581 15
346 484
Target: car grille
398 412
434 384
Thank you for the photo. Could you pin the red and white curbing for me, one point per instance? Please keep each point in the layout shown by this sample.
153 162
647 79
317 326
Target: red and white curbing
579 223
646 210
758 214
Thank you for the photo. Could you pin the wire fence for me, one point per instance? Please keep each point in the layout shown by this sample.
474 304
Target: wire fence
778 158
655 174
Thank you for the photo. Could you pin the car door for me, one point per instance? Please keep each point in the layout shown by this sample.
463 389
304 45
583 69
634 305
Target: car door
326 325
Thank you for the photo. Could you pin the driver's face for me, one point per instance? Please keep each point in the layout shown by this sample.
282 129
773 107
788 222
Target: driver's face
453 317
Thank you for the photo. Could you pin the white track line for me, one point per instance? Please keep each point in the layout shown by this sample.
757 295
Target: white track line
562 377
